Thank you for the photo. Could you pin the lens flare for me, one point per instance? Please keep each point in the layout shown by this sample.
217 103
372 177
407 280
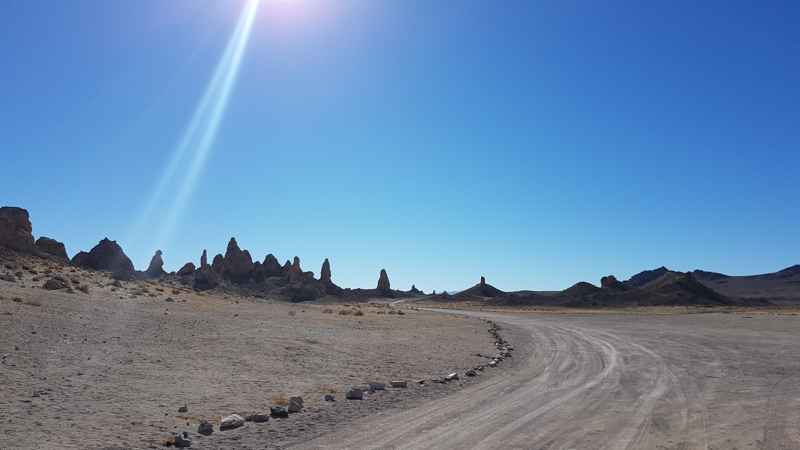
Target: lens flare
198 139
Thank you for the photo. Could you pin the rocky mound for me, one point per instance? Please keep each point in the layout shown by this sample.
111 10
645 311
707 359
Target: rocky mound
15 229
384 287
642 278
480 290
106 255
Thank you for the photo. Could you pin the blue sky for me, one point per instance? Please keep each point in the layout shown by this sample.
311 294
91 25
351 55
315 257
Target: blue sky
536 143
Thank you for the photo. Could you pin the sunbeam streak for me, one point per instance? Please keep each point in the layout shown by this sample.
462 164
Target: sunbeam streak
194 147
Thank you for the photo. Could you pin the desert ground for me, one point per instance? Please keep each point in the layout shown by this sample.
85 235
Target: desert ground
109 367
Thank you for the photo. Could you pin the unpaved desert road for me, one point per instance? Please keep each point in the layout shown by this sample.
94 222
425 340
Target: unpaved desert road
614 382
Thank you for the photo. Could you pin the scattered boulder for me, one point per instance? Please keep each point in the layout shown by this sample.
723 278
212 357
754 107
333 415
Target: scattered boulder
52 247
377 386
329 398
156 269
257 418
187 269
398 383
355 394
278 411
295 405
453 376
117 284
232 421
106 255
16 229
183 409
205 427
471 373
9 278
384 287
52 285
182 440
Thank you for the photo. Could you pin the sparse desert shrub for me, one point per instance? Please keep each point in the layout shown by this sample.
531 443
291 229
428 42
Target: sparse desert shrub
72 270
400 313
160 289
16 300
303 311
358 313
176 291
392 312
36 279
34 271
26 267
381 312
84 288
113 289
189 416
9 267
345 312
291 313
75 281
32 303
153 294
61 279
324 390
327 311
279 399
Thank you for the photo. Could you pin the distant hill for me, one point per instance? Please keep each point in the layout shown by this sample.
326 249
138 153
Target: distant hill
667 289
782 287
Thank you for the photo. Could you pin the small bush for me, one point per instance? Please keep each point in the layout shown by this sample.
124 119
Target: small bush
84 288
392 312
61 279
324 389
400 313
327 311
153 294
279 399
32 303
160 289
345 312
291 313
176 291
36 279
358 313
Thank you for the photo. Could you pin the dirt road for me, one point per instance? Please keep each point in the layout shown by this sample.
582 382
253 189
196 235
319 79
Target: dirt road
699 381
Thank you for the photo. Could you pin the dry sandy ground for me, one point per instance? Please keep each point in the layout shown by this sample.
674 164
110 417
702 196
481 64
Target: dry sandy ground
99 371
109 369
613 381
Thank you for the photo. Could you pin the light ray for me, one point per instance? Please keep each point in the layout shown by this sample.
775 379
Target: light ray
199 136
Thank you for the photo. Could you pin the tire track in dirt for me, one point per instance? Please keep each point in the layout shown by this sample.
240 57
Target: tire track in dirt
575 388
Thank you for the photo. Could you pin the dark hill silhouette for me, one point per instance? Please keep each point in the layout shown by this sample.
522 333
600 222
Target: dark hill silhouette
781 287
480 290
642 278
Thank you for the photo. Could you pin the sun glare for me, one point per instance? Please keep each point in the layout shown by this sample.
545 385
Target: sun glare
192 152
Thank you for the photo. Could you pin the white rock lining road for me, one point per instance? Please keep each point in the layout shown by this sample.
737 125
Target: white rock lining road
614 382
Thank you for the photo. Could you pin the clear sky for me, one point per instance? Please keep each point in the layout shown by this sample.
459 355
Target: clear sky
536 143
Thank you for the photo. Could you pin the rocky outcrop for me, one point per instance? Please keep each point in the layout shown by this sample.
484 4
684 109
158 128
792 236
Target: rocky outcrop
204 259
384 287
16 229
106 255
325 279
187 269
52 247
302 285
414 290
238 265
206 278
272 268
642 278
286 268
481 289
325 272
611 282
156 268
218 263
